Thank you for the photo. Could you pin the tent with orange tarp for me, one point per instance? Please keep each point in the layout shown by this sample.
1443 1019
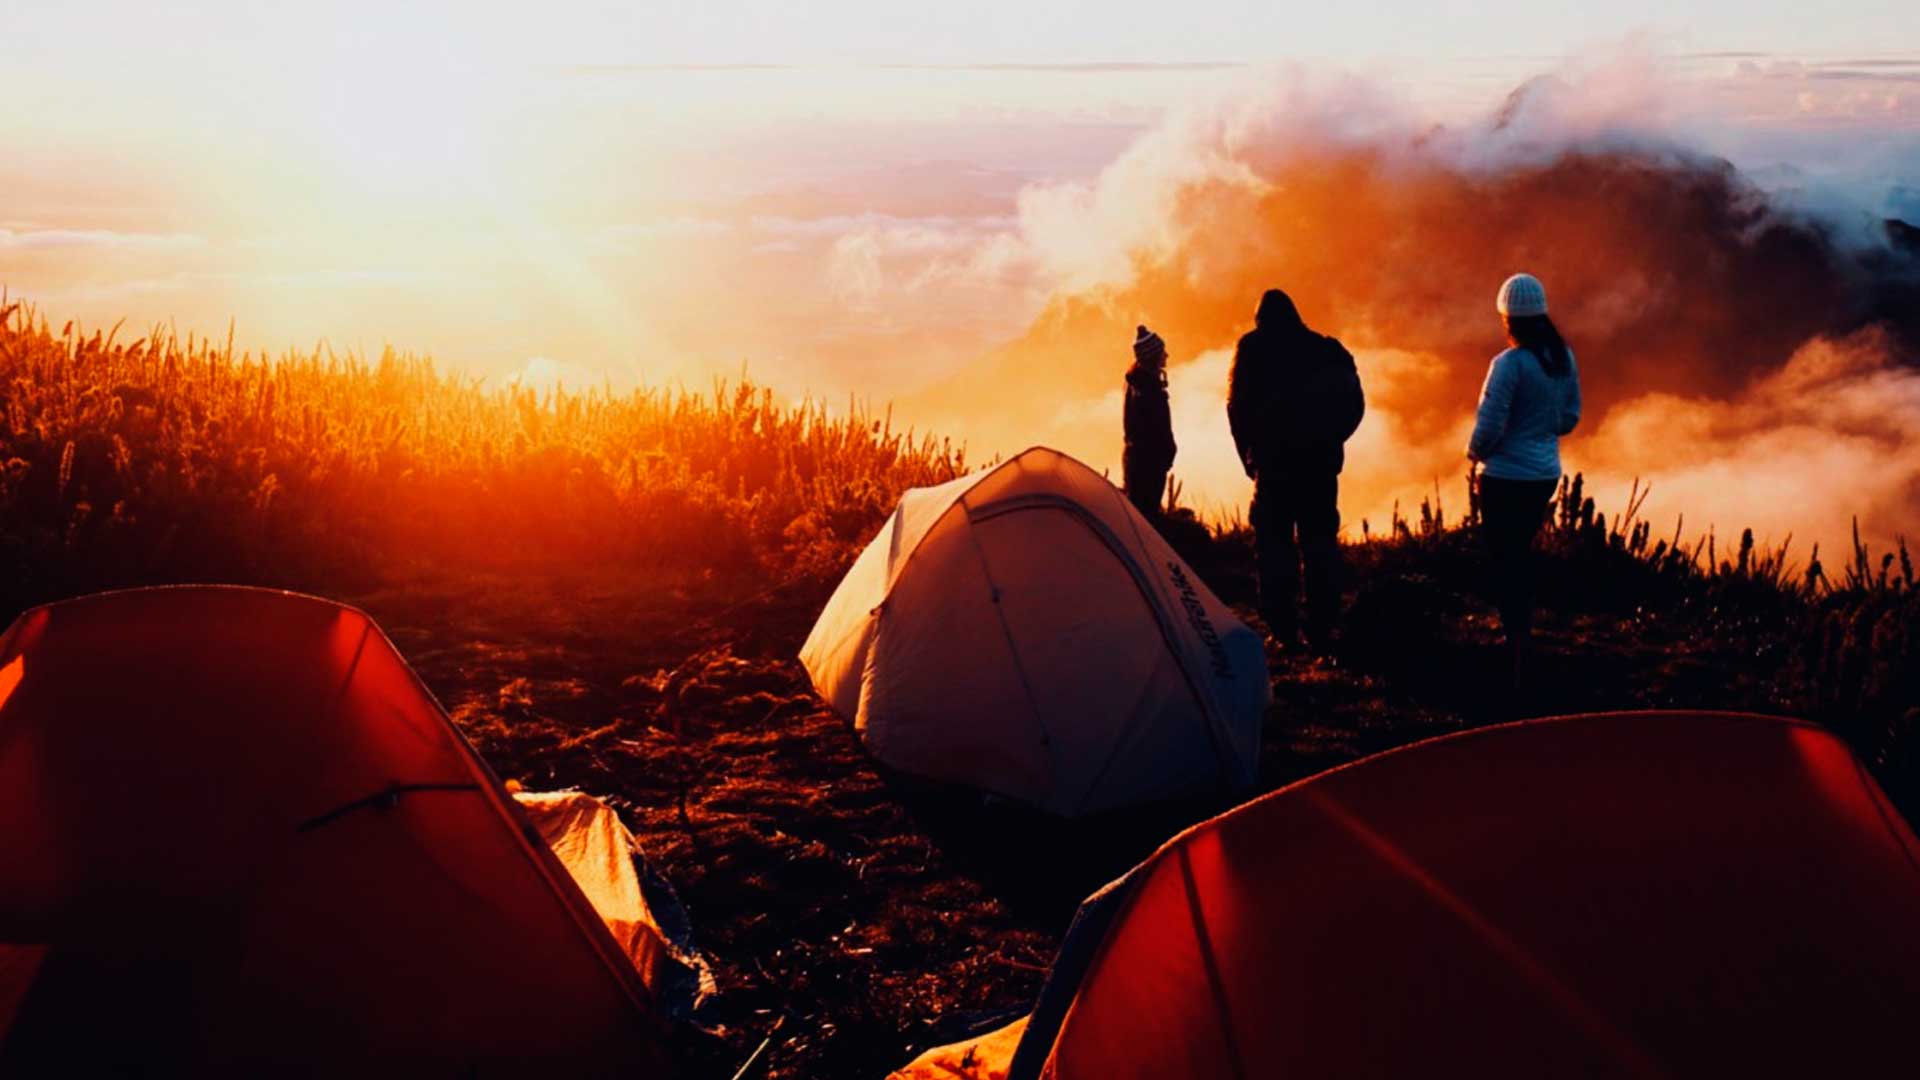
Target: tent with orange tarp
1630 894
241 836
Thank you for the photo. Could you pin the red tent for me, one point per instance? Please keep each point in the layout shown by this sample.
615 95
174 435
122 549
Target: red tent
239 834
1620 895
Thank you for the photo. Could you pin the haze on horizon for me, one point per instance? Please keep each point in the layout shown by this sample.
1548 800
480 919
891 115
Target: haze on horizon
852 201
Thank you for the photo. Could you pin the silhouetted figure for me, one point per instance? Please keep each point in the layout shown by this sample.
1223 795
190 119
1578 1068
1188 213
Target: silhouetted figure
1530 399
1147 424
1293 400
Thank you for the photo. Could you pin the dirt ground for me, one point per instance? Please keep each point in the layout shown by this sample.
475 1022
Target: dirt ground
866 915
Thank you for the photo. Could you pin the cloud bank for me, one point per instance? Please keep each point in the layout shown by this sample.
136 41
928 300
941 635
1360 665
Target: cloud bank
1746 348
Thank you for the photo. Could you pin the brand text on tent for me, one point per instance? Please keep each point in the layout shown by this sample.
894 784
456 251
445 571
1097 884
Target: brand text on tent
1203 626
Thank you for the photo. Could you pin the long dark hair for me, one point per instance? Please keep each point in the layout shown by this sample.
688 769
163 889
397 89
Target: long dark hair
1538 335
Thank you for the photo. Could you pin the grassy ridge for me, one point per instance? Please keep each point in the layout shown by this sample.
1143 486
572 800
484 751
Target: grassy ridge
1841 646
873 924
157 459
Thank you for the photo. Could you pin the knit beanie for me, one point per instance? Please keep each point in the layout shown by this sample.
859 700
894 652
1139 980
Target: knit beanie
1520 296
1148 349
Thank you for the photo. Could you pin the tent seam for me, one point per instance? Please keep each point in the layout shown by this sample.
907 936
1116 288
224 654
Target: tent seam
1878 799
1161 619
1113 751
346 680
1013 647
1215 983
561 888
906 559
1518 957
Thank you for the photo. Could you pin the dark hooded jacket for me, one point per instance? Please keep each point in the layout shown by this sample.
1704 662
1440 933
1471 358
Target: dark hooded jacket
1294 396
1146 420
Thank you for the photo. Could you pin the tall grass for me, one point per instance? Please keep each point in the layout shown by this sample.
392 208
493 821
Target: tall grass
162 460
1842 648
157 459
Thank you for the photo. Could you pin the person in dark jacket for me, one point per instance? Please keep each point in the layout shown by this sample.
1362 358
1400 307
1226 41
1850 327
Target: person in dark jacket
1293 400
1147 425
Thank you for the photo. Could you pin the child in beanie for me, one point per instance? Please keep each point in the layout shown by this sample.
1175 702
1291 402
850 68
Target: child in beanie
1147 424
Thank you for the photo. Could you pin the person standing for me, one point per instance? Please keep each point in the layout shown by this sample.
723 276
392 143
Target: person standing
1147 425
1293 400
1530 399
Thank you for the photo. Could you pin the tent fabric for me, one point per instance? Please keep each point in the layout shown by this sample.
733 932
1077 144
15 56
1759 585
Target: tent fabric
595 847
1025 631
245 837
643 915
984 1057
1610 895
19 965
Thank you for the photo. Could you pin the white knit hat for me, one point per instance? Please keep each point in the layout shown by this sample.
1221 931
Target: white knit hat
1522 295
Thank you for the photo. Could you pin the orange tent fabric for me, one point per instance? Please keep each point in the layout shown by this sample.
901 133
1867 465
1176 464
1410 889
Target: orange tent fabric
984 1057
600 855
241 835
1619 895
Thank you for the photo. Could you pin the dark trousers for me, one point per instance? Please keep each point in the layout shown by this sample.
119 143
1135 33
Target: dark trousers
1305 505
1145 481
1511 512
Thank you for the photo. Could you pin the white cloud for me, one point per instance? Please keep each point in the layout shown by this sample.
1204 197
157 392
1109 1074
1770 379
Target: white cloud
951 278
49 239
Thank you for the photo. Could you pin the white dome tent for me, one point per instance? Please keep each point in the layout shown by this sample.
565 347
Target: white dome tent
1025 631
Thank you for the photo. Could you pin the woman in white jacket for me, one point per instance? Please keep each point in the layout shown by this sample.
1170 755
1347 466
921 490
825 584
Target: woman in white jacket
1530 399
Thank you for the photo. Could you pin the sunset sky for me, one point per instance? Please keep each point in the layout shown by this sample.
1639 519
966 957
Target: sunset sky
843 198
